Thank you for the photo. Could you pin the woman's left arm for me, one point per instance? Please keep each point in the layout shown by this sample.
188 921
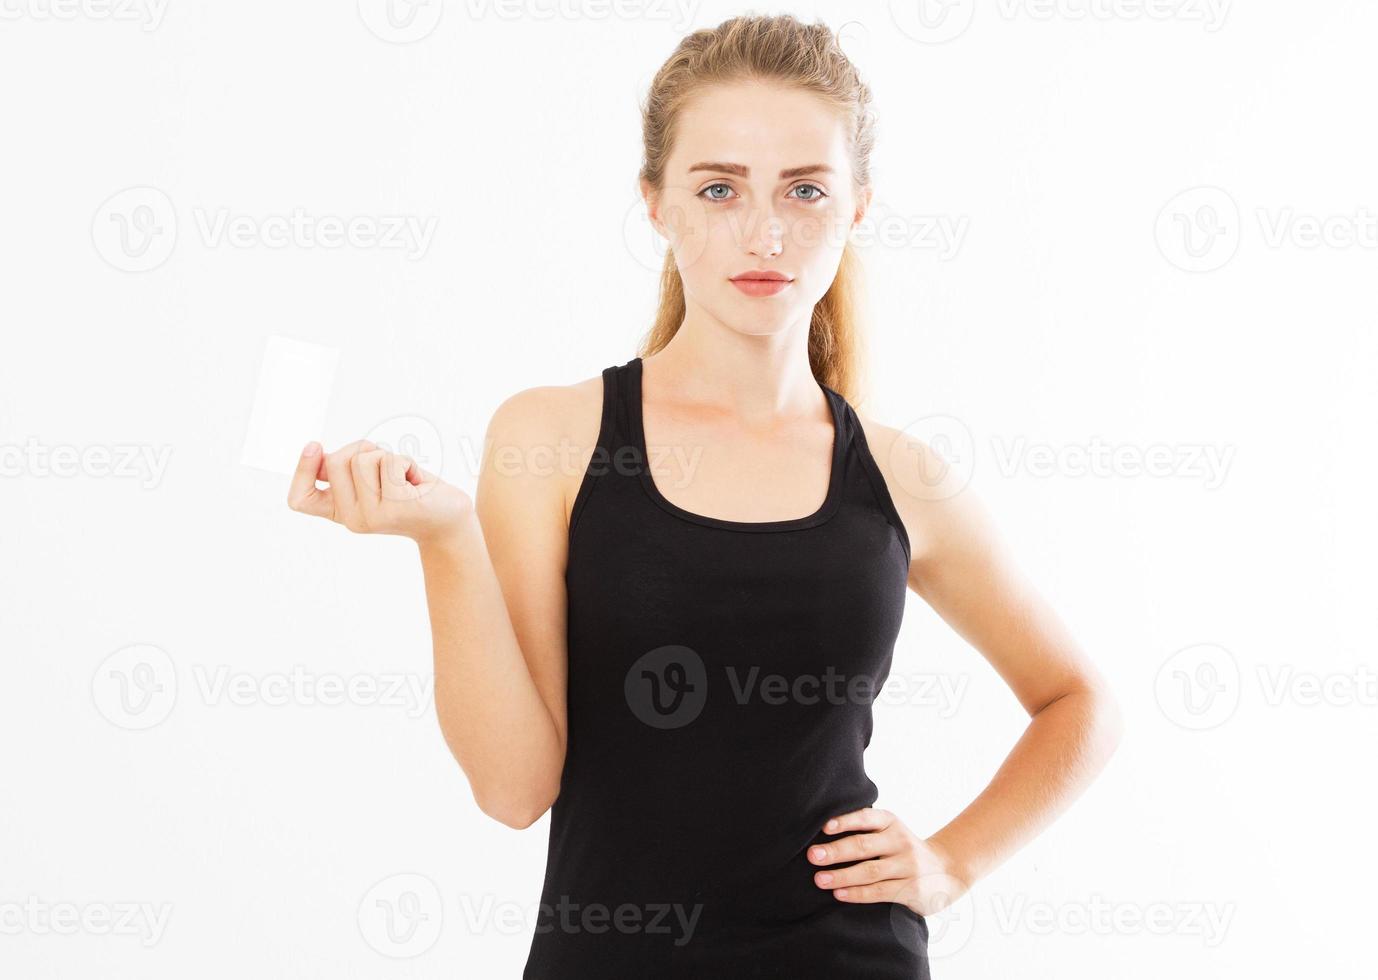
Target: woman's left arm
962 568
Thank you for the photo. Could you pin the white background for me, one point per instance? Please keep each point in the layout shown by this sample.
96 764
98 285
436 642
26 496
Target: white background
1166 254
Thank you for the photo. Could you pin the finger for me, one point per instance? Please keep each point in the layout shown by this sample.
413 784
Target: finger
338 475
864 873
855 847
363 468
867 818
396 483
303 495
419 477
891 890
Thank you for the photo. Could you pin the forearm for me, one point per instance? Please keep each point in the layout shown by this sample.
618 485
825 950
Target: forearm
1064 747
490 711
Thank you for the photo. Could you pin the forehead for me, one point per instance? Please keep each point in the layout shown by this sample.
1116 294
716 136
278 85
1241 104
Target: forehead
767 127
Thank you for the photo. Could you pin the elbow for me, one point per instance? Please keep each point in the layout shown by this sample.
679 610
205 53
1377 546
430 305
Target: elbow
514 817
1107 719
1100 720
512 811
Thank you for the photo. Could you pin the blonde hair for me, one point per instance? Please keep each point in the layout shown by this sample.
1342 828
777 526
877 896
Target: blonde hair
783 49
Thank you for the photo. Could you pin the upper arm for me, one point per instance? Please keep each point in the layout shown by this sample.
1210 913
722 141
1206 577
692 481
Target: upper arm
963 568
522 500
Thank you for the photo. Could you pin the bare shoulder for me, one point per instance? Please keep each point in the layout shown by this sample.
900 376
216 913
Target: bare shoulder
544 413
544 436
930 495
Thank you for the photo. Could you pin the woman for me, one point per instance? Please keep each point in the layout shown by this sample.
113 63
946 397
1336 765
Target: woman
678 651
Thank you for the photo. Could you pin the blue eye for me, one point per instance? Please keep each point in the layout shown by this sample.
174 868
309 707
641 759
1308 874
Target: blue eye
813 198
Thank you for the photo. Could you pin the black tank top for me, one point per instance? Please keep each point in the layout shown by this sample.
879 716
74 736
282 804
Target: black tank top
721 675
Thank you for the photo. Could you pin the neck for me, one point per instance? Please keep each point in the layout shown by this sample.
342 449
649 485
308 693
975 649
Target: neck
758 378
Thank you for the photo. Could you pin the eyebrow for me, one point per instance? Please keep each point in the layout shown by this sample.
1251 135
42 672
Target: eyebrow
741 171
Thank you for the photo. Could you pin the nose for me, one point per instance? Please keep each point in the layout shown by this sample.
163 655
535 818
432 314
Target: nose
767 238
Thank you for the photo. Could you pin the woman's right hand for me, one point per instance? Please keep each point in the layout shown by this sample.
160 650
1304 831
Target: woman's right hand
373 491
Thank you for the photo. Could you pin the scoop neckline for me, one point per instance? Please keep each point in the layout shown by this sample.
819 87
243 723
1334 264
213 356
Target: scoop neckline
824 511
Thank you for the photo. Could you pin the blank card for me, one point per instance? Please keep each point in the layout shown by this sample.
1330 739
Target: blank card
293 395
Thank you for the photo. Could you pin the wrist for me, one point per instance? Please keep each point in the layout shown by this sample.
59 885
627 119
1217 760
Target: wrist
955 860
451 539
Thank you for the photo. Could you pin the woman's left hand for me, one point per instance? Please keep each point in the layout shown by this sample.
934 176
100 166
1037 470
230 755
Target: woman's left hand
895 865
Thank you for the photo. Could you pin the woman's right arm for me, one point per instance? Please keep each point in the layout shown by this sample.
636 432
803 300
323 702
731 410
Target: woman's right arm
494 574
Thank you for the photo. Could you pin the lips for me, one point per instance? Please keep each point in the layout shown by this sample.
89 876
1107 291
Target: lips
761 275
762 287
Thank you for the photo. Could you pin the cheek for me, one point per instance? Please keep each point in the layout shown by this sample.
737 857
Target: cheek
691 229
821 232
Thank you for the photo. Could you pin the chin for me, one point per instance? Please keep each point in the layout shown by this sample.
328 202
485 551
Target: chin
758 325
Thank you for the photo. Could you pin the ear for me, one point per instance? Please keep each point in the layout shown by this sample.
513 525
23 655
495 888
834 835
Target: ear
863 204
648 194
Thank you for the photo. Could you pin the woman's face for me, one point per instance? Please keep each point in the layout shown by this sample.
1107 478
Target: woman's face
758 179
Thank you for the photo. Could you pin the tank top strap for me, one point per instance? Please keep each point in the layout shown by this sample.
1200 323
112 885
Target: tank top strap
858 447
617 382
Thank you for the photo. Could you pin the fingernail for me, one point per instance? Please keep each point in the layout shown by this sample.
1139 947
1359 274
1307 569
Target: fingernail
819 853
830 825
311 449
825 878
